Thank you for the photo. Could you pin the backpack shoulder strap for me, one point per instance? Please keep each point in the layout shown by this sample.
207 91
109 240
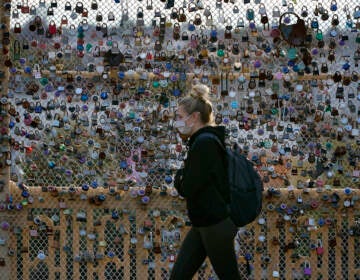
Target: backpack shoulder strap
223 147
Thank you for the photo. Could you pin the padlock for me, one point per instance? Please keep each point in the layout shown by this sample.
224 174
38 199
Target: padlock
33 232
25 9
275 274
62 204
79 8
94 5
17 28
319 247
307 269
52 27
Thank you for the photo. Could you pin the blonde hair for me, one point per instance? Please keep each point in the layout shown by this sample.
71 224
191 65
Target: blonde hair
198 101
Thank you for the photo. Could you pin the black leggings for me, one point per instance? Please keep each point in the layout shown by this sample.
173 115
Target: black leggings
216 242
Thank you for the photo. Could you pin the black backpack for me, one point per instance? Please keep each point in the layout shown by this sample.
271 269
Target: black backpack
245 183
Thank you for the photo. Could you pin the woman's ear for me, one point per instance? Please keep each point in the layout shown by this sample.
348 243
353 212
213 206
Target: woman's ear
197 117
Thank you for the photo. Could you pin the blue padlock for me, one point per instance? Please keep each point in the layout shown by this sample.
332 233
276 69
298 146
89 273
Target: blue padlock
84 97
80 47
11 124
123 164
115 214
346 66
333 6
168 179
176 92
121 75
25 193
94 184
27 69
101 197
104 95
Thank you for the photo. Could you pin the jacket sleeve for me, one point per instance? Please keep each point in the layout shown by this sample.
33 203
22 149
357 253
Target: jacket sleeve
178 179
204 157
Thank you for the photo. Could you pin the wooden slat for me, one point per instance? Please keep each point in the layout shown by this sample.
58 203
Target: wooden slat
89 243
126 263
52 202
338 248
75 244
62 244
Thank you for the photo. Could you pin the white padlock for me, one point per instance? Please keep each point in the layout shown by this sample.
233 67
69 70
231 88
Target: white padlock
275 274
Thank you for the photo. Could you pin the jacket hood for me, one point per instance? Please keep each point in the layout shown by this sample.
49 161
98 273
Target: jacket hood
219 131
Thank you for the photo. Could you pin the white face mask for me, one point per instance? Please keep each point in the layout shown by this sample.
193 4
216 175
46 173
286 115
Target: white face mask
181 126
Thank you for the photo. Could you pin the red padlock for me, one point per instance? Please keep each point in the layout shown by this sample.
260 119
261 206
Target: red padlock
64 20
17 28
319 248
28 150
57 45
275 33
149 56
4 130
42 45
25 9
80 54
52 27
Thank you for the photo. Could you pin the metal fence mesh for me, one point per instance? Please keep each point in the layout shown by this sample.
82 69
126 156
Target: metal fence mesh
95 134
74 139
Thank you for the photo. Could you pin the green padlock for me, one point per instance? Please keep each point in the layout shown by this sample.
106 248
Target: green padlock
220 53
357 40
155 84
319 35
274 111
109 43
44 81
131 114
291 53
17 50
16 55
267 143
328 145
88 47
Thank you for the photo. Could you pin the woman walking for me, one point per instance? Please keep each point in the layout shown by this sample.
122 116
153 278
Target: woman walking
203 183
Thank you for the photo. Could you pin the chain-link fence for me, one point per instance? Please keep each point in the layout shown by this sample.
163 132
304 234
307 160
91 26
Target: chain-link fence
69 128
93 89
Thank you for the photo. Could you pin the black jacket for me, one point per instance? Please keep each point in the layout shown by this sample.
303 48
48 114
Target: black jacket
203 180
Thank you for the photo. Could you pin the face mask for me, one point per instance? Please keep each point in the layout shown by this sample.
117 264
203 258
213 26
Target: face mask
181 126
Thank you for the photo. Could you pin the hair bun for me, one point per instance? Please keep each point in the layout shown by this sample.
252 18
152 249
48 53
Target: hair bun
200 91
